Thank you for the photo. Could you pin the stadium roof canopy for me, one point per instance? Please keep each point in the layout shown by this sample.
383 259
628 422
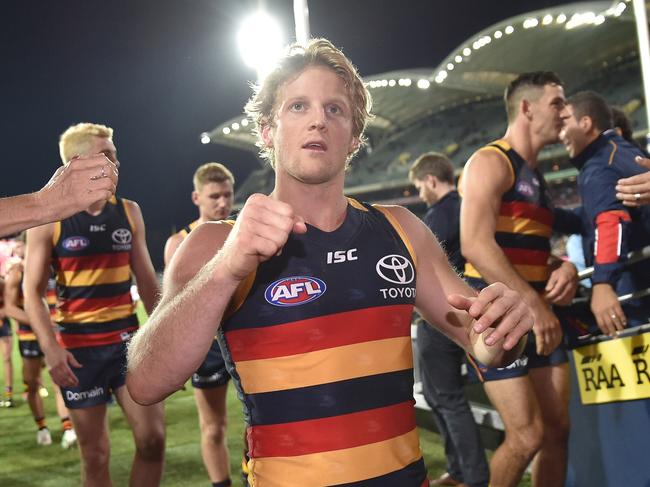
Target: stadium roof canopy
576 40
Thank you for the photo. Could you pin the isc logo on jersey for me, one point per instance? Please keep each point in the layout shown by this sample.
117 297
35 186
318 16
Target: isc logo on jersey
294 291
75 243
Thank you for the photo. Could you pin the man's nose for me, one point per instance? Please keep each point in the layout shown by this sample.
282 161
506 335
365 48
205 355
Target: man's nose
319 120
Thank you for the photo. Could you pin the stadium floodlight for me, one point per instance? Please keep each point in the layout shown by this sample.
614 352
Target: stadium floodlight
458 58
561 18
509 29
235 126
548 18
498 34
530 23
205 138
467 51
226 130
423 83
261 42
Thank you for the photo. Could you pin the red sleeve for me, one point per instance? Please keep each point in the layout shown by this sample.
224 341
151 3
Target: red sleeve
609 235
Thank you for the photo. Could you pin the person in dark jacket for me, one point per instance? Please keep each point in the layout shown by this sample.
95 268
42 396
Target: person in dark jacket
612 229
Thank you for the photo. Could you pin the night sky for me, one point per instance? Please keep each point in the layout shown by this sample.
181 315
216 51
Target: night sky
160 72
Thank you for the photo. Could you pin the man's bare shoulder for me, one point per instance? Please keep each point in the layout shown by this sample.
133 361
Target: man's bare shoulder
404 216
487 168
197 248
41 232
416 231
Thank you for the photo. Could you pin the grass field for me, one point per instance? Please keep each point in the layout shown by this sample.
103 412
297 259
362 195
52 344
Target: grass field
25 464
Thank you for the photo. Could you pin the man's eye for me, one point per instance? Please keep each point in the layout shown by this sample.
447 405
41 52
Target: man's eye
334 109
298 106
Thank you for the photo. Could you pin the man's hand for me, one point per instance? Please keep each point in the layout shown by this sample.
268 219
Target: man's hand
58 362
261 230
607 309
547 329
500 308
562 284
78 184
635 190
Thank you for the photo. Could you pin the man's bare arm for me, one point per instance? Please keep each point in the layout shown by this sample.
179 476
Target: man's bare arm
37 271
143 270
448 303
171 246
486 178
74 187
12 294
197 289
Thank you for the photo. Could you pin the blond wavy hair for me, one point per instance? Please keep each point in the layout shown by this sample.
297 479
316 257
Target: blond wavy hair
317 52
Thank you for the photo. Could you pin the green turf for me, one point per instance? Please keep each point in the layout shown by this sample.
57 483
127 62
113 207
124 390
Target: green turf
24 464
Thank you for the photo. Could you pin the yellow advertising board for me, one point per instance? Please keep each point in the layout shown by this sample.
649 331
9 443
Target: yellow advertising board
614 370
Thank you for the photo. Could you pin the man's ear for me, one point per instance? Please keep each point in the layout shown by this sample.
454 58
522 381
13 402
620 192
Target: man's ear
195 197
267 135
524 108
354 145
586 124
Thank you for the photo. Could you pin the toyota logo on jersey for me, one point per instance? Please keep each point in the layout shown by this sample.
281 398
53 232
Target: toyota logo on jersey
122 236
294 291
396 269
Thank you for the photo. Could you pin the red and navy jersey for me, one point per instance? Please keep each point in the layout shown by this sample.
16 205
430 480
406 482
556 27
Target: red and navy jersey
91 259
612 229
525 221
318 343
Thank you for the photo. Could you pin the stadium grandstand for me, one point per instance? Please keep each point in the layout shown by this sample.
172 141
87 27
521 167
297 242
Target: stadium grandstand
457 107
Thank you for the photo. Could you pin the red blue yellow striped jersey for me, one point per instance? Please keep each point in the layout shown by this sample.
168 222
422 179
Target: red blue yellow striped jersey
525 220
91 259
318 343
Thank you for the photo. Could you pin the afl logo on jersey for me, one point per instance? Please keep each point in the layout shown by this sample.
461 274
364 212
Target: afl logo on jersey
75 243
525 188
294 291
396 269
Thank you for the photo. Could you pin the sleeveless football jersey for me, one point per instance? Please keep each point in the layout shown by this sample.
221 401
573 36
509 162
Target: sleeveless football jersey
318 342
525 221
185 231
91 259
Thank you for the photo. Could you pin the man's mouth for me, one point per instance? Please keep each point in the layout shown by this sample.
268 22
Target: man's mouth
315 146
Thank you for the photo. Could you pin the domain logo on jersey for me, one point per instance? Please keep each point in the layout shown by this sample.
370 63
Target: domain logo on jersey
75 243
294 291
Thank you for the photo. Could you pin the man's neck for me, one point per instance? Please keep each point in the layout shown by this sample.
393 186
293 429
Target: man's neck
96 208
321 205
524 143
444 190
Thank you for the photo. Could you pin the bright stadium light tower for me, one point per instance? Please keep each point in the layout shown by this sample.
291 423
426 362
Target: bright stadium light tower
301 19
260 41
644 54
